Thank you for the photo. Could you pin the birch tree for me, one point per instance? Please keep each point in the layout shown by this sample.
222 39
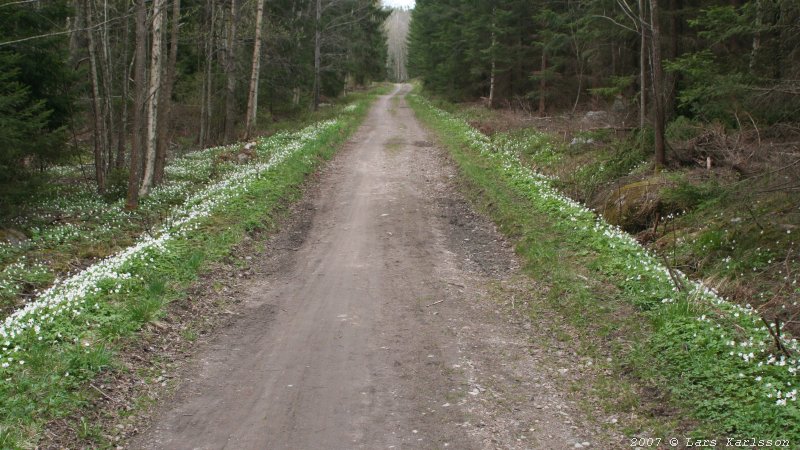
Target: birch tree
153 96
396 29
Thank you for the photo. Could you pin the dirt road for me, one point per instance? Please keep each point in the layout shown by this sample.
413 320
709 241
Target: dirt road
379 323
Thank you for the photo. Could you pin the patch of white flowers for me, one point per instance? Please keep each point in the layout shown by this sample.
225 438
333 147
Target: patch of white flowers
642 265
70 297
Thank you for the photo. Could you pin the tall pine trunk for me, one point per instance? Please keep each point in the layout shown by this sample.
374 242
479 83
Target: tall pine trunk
658 87
108 87
317 54
671 78
100 136
756 46
230 72
166 95
140 78
643 50
543 83
252 98
122 130
493 74
578 68
153 97
205 95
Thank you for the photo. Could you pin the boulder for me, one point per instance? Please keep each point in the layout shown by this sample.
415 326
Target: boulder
12 236
632 206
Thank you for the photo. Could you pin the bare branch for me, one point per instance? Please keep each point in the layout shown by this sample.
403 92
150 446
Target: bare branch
59 33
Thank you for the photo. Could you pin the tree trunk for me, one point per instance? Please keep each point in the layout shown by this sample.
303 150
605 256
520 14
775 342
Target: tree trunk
493 73
252 98
152 101
671 78
317 55
756 38
140 75
579 73
658 80
579 69
492 83
643 50
543 83
230 72
205 95
166 95
100 144
76 24
108 87
122 130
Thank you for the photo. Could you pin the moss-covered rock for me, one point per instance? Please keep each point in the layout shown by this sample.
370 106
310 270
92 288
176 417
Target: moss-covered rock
632 206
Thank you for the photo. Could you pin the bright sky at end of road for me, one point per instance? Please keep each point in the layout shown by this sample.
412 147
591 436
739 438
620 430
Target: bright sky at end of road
399 3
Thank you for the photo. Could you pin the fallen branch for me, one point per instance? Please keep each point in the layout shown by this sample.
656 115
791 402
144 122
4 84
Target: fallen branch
776 335
102 393
675 279
435 303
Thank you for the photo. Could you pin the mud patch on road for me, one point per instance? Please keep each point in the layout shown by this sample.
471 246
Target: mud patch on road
394 144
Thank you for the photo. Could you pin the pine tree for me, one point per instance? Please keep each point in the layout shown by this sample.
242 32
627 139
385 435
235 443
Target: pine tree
36 96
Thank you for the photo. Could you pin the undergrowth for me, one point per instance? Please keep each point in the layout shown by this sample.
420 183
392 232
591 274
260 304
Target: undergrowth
716 362
51 357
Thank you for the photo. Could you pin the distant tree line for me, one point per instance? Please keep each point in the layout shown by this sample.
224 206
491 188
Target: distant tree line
396 28
728 61
119 75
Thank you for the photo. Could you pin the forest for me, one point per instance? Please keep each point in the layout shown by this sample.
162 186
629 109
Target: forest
733 62
674 122
125 126
707 92
137 81
388 223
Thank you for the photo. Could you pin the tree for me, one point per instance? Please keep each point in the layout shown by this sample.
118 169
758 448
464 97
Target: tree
21 120
657 71
166 94
59 55
396 29
153 97
37 95
140 85
99 108
252 97
230 69
317 53
643 52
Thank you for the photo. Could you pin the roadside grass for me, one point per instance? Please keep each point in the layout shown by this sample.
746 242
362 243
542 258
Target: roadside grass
62 225
733 226
676 349
48 367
